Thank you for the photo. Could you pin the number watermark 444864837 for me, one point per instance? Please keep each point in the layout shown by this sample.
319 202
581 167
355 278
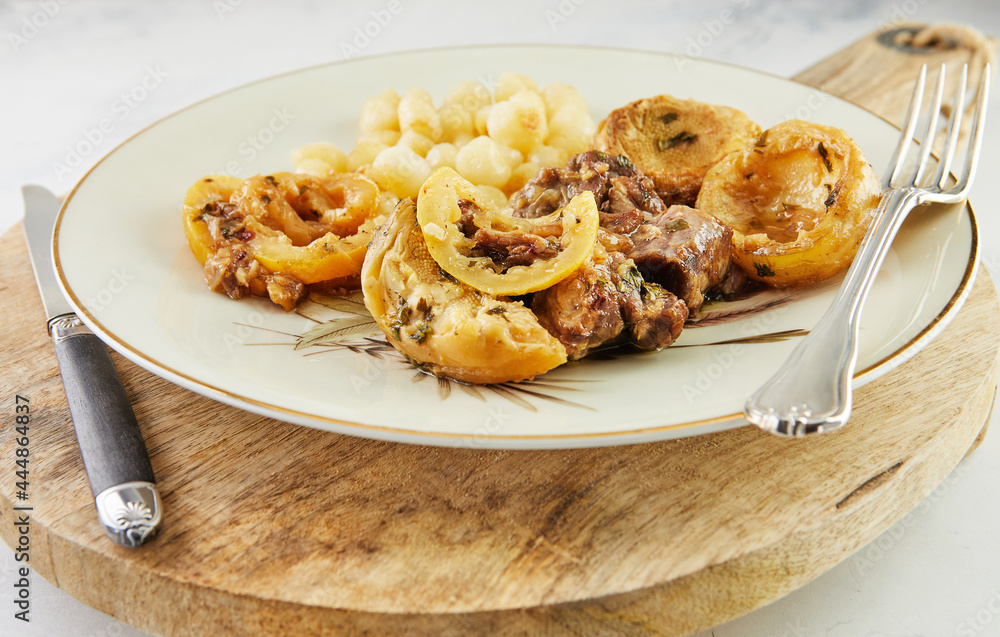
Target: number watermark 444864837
22 516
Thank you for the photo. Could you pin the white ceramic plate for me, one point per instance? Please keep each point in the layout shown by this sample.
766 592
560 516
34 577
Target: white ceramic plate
123 262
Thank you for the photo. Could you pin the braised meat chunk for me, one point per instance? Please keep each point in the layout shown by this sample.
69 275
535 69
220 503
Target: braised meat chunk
607 303
234 271
684 250
507 248
625 197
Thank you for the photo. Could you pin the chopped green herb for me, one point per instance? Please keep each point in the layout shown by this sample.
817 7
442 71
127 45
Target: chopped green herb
832 197
763 269
683 137
826 157
443 274
423 331
652 291
629 279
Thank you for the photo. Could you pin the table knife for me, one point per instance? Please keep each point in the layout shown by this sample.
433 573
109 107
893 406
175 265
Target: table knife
114 454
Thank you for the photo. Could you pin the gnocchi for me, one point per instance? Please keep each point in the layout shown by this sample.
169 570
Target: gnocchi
496 140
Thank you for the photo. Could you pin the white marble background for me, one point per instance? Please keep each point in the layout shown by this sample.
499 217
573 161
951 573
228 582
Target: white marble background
65 63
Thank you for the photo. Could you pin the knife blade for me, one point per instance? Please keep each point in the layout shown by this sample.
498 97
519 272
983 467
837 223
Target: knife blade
114 454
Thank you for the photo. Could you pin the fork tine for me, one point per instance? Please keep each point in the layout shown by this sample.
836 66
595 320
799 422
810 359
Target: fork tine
898 158
975 136
954 131
927 141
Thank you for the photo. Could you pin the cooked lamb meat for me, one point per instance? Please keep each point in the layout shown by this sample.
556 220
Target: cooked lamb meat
232 270
684 250
625 197
507 249
735 284
608 303
677 187
285 290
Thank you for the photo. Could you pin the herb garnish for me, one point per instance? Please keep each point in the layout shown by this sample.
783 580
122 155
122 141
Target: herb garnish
680 138
763 269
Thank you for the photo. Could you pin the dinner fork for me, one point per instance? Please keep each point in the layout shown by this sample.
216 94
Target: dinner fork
811 392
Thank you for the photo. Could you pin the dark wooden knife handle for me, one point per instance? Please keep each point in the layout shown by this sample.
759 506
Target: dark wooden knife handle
111 443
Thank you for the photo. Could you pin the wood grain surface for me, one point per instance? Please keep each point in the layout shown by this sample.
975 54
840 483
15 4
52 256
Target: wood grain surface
272 529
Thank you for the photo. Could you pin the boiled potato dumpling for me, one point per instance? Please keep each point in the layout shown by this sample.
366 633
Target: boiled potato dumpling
380 112
318 155
400 170
484 161
497 140
519 122
416 112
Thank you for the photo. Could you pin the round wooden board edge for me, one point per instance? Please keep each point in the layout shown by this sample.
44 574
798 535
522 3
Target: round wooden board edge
713 596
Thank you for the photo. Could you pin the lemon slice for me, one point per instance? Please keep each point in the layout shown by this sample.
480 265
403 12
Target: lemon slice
566 235
328 257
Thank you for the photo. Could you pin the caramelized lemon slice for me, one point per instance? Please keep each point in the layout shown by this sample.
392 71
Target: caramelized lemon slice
325 258
312 228
495 253
206 194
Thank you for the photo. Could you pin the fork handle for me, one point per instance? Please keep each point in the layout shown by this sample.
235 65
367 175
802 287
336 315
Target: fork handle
811 392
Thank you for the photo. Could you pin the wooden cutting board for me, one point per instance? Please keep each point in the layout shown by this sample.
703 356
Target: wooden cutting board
275 529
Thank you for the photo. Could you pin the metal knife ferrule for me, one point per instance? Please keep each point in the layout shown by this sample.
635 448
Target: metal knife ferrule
66 326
